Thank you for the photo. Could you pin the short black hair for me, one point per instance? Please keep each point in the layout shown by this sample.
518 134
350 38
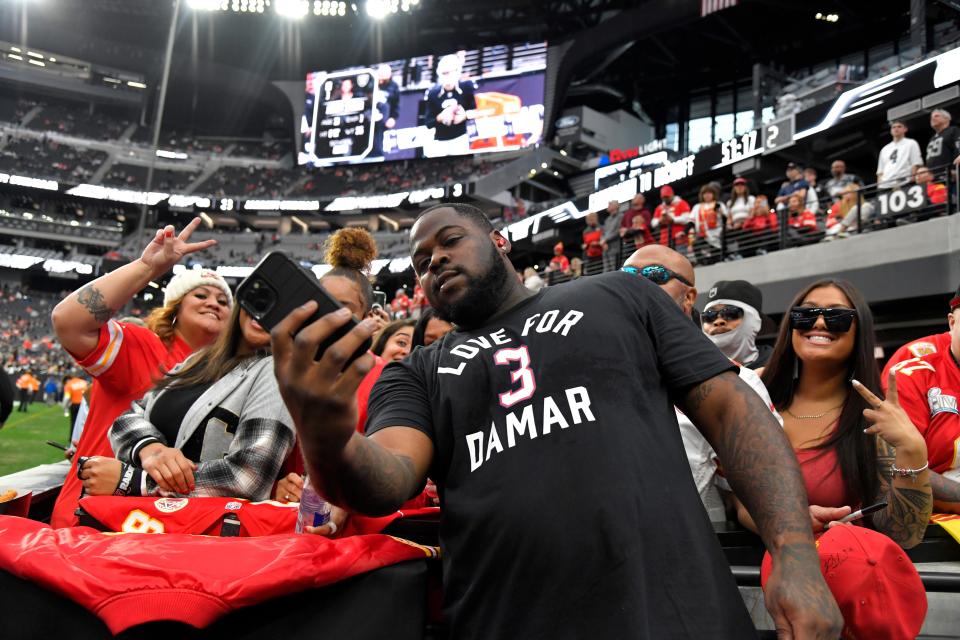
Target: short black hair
468 211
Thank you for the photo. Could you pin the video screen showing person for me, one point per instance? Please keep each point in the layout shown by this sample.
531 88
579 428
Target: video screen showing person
471 101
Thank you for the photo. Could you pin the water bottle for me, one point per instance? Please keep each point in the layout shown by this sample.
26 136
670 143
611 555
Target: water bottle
314 510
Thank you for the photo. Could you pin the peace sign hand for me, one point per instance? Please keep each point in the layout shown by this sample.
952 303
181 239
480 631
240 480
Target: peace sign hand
888 419
166 249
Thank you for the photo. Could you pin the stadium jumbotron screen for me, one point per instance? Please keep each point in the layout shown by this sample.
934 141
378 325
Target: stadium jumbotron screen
466 102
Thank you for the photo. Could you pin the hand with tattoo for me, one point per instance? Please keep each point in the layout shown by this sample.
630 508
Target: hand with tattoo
167 249
798 598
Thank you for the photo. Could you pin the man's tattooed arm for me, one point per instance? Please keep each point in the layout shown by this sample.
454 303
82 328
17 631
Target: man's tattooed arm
946 494
762 469
92 300
756 456
375 475
909 501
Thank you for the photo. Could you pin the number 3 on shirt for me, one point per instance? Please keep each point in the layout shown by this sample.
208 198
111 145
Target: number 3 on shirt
523 374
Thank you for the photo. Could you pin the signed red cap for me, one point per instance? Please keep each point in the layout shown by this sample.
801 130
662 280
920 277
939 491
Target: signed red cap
875 584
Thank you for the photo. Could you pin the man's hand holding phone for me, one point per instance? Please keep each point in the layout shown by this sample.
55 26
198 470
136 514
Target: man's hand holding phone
319 393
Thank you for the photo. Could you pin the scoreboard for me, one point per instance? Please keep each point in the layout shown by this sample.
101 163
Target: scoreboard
343 104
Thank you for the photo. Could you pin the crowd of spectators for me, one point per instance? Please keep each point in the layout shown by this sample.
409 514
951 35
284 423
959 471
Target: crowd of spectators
249 182
75 121
737 220
42 158
27 340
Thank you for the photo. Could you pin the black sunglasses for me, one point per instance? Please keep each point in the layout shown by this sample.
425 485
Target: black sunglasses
837 319
657 273
729 314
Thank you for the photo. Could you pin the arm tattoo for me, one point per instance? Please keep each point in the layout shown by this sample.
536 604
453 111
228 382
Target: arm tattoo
699 394
944 489
908 510
392 474
802 559
92 300
756 456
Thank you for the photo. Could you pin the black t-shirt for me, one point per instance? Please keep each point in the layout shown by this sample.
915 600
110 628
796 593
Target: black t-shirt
569 510
943 148
438 99
168 413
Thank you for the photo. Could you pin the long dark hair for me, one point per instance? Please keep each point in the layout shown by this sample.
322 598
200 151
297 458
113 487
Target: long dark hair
856 452
215 361
420 330
380 343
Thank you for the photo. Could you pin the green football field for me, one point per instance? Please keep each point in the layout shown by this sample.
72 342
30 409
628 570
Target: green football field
23 439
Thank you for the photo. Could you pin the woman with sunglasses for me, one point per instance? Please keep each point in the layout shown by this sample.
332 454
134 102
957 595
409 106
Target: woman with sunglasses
854 449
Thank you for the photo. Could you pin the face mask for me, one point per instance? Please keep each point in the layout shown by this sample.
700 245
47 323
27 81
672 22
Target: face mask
740 344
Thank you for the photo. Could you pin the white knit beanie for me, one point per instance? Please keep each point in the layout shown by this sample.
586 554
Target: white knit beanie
186 281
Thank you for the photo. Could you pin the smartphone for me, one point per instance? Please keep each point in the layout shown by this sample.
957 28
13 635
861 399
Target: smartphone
278 285
56 445
380 298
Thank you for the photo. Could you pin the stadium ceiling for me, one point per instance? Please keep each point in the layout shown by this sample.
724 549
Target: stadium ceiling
654 53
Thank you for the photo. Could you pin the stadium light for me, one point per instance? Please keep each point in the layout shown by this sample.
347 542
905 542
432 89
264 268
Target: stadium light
378 9
295 9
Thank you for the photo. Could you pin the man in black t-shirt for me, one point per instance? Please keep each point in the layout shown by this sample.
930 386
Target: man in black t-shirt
568 510
447 105
944 145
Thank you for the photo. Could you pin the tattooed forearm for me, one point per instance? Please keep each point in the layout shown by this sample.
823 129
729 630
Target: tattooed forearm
92 300
908 505
946 493
391 476
802 560
755 454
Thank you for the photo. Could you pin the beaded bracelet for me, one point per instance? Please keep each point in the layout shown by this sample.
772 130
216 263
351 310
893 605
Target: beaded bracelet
908 473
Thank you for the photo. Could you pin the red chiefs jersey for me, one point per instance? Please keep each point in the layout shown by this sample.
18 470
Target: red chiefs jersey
133 579
204 516
928 389
916 349
125 363
189 515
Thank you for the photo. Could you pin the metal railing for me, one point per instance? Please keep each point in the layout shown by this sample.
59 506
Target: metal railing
876 208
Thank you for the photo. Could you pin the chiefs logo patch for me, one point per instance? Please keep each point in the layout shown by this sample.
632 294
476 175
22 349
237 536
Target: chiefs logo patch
169 505
940 403
920 349
233 506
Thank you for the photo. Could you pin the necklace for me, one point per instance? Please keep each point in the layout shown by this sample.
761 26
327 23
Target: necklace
814 417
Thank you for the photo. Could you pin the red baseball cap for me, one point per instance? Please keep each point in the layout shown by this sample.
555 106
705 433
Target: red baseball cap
666 191
875 584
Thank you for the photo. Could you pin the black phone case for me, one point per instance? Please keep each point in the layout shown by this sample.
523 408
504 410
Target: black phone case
292 286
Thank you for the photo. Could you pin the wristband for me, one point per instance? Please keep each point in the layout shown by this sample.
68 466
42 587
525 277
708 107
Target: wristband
126 474
909 473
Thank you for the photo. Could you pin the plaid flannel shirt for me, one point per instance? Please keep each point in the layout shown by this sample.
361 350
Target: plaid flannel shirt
248 433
